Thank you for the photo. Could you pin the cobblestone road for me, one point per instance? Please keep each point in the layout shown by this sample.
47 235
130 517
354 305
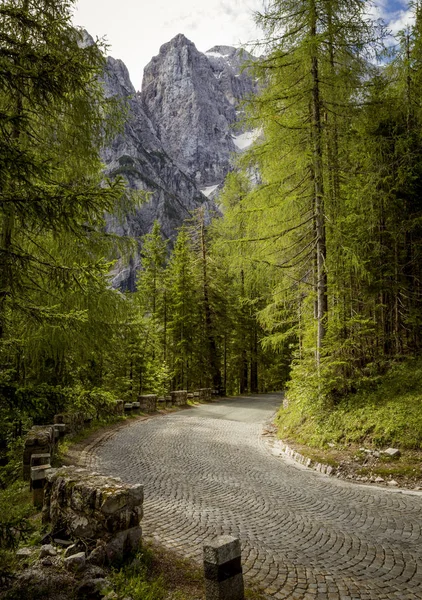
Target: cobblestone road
207 470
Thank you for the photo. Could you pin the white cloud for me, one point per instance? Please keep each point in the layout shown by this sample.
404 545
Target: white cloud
395 13
136 30
399 20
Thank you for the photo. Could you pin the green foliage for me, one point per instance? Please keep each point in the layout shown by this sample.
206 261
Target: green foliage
134 580
15 510
11 472
183 310
382 412
94 402
59 318
312 273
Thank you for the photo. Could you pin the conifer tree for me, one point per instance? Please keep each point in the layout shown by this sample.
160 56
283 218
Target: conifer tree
316 58
54 119
184 318
152 302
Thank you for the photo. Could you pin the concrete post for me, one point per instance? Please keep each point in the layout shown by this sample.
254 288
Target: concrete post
38 460
60 429
38 480
136 407
223 569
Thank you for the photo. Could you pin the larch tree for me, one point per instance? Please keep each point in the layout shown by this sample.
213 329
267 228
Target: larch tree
53 120
315 61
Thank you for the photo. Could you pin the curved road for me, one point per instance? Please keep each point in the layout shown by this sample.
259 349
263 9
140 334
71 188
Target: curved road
207 471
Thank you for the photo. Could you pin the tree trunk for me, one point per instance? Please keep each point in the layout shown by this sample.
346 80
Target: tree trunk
254 359
318 169
209 334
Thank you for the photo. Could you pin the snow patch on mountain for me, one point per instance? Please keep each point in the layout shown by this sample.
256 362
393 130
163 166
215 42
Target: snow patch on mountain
207 191
217 54
246 139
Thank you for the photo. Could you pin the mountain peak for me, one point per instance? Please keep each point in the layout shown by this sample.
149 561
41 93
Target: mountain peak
180 38
179 41
178 140
224 51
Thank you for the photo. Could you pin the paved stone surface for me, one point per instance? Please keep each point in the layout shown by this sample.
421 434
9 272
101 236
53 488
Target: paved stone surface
207 471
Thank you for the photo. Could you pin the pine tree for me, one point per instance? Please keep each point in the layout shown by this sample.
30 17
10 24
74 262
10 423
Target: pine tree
317 50
54 119
152 302
183 316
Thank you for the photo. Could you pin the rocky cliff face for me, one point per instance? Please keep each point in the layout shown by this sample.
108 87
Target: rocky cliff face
191 99
227 64
178 140
139 156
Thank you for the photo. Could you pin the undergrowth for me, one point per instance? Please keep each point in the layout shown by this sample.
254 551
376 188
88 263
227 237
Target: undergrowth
387 413
16 525
135 580
95 426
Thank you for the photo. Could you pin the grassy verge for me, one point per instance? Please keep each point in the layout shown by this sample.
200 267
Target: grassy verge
86 432
160 574
157 574
389 414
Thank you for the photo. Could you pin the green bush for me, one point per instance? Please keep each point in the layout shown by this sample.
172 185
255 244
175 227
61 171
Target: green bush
15 510
385 411
95 402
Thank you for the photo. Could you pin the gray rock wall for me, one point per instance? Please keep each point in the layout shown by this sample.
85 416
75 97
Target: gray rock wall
178 138
102 512
192 98
179 398
88 505
139 156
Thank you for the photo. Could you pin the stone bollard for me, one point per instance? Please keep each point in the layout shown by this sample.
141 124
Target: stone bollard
179 397
119 407
38 460
38 480
161 403
223 569
136 407
60 429
204 395
148 403
128 408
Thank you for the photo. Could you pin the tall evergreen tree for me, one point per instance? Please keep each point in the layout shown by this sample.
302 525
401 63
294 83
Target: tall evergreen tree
315 62
184 318
53 120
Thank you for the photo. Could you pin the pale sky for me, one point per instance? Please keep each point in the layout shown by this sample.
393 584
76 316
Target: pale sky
135 29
